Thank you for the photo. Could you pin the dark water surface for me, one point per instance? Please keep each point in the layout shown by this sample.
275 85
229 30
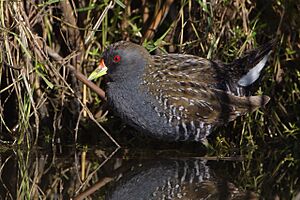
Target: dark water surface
64 172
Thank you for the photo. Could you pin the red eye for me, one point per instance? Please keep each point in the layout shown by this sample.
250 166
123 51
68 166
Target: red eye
117 58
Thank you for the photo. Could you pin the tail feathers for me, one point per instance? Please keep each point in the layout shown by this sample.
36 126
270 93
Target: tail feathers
247 69
242 105
249 104
258 101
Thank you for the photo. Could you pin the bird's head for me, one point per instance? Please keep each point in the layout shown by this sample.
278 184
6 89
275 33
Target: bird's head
120 59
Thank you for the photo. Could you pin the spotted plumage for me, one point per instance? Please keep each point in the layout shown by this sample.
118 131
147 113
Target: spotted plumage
180 97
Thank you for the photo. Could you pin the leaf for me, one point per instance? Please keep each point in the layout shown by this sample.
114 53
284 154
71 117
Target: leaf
120 3
48 83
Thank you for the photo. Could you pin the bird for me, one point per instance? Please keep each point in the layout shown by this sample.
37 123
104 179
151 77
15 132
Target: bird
179 97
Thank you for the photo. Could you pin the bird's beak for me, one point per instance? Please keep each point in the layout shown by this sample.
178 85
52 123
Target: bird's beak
99 71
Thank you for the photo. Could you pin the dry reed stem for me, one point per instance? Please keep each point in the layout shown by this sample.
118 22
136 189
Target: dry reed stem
158 19
99 167
99 21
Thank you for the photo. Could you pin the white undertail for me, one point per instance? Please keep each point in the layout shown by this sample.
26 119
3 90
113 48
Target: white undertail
253 73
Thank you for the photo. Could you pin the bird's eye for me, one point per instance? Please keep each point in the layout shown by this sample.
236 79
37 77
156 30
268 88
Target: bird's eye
117 58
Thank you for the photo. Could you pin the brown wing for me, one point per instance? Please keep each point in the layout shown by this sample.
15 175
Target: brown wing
194 67
182 90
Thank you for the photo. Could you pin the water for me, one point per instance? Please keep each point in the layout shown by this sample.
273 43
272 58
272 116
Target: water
65 172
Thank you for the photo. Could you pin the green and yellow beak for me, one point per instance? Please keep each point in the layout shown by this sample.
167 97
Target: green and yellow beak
99 71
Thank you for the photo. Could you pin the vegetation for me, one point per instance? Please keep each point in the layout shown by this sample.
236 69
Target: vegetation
42 101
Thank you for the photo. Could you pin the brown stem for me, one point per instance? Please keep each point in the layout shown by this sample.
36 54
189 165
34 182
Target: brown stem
78 74
93 188
157 20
